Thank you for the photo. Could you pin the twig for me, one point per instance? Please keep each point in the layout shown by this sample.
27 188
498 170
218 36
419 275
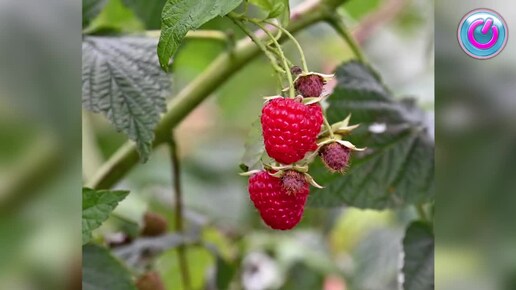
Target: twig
176 179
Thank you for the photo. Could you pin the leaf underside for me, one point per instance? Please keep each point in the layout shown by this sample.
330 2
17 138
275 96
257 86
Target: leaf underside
121 78
397 168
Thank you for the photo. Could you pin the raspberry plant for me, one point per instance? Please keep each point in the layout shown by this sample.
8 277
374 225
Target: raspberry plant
300 152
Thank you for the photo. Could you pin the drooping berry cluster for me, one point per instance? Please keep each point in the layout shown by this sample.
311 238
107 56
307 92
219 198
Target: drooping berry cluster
293 135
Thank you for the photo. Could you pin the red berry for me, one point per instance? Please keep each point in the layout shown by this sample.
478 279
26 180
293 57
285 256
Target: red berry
279 209
293 181
290 129
335 156
310 86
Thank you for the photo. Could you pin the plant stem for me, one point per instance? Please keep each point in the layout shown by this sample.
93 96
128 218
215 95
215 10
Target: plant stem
292 93
259 43
328 126
218 72
176 179
299 48
338 24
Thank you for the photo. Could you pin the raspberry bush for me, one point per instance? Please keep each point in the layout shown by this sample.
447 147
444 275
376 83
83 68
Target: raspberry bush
324 146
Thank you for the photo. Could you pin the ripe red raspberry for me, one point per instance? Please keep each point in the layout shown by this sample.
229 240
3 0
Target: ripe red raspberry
293 181
279 209
310 86
290 129
335 156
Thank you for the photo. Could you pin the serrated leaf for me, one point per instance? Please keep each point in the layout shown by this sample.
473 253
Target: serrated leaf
180 16
90 10
418 266
97 205
121 78
397 169
101 271
274 9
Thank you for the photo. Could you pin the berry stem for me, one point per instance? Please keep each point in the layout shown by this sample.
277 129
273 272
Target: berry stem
292 93
176 179
259 43
299 48
328 126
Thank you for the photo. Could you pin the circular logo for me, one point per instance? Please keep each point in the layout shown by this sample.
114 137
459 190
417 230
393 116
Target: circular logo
482 33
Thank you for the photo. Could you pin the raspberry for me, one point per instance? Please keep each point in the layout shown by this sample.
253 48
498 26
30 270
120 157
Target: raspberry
310 86
293 181
278 209
150 281
290 129
335 156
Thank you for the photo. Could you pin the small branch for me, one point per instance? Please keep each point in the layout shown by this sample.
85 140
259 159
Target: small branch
299 48
196 34
338 24
259 43
328 126
176 179
292 93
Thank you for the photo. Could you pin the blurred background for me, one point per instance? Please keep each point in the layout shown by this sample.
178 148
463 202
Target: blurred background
475 157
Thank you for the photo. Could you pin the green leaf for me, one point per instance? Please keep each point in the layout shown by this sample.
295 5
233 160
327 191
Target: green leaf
418 267
275 9
180 16
96 207
149 11
302 277
115 17
121 78
101 271
199 261
90 10
397 169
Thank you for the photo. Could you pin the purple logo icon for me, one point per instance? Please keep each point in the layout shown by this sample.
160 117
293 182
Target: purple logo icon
482 33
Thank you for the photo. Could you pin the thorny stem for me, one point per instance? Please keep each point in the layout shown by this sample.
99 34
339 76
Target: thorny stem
299 48
259 43
176 179
292 93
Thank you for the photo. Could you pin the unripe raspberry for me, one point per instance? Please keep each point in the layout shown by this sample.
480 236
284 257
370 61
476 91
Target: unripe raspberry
154 224
290 129
310 86
293 181
335 156
150 281
279 209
